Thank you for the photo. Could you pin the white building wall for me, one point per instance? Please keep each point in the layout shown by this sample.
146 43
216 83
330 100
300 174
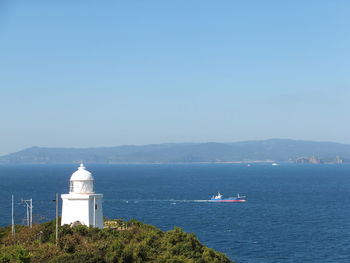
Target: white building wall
80 207
97 209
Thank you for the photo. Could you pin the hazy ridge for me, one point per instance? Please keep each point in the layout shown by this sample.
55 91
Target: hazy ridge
279 150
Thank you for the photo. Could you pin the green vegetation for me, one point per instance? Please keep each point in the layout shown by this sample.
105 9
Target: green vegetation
120 242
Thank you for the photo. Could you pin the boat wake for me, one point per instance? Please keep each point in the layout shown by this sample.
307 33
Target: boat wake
161 200
215 199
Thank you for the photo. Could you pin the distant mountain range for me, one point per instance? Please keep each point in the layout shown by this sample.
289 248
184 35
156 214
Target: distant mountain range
273 150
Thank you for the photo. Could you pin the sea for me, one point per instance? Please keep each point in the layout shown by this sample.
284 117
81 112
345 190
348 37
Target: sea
294 212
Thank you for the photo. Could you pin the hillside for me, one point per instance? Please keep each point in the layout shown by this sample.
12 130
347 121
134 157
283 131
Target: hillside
274 150
124 242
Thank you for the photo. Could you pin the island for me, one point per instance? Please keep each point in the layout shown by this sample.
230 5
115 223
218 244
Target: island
263 151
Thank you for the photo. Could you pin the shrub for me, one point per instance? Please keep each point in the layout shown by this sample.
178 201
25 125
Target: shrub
14 254
135 243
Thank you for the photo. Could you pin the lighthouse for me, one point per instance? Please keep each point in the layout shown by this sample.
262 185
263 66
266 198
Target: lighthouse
82 204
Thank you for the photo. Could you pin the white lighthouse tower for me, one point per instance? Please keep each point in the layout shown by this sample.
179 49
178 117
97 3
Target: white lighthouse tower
82 204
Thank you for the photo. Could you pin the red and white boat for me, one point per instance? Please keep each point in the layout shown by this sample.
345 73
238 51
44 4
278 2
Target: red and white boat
218 198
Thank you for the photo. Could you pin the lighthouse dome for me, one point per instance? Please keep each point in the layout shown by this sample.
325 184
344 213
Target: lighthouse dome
81 174
81 181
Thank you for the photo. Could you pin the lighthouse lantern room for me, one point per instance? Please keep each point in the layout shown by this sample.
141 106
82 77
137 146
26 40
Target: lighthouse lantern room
82 204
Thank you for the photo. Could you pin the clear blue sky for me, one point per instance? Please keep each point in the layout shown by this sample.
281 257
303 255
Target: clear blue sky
105 73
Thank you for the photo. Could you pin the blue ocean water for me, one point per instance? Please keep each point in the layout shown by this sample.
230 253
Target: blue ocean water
293 213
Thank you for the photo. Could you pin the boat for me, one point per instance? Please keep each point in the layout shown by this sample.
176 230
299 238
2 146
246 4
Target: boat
274 164
218 198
